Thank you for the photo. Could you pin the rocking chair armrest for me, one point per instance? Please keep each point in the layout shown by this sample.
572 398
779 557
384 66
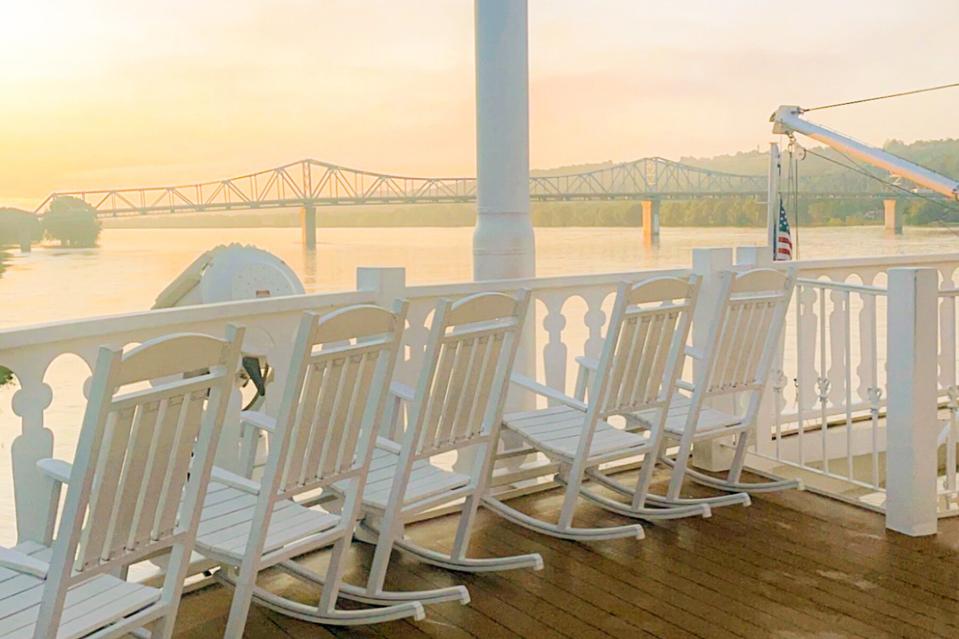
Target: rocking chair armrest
388 444
684 385
589 363
403 391
545 391
56 469
258 420
223 476
24 563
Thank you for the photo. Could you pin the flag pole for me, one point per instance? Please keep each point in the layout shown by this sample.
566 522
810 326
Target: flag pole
772 197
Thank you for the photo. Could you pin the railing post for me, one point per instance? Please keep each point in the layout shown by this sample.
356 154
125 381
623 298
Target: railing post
708 263
762 434
911 423
387 283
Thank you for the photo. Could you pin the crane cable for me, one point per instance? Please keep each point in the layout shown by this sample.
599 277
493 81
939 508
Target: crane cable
852 166
883 97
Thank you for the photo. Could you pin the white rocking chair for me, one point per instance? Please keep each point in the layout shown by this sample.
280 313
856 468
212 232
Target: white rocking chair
332 402
639 364
134 492
456 406
742 344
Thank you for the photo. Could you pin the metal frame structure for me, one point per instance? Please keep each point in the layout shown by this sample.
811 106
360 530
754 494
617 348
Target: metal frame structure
315 183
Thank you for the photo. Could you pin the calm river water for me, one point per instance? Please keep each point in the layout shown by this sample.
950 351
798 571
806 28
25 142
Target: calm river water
131 266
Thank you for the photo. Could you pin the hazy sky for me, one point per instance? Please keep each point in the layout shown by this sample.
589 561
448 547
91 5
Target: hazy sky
124 92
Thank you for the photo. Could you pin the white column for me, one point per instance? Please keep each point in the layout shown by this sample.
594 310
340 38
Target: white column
503 245
911 425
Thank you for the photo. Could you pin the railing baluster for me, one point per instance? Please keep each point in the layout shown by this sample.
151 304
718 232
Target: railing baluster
823 384
800 294
847 366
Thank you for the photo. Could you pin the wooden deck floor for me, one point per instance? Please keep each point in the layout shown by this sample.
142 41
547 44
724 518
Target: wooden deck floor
791 565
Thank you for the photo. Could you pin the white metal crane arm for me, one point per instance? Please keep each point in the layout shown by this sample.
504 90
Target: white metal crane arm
787 119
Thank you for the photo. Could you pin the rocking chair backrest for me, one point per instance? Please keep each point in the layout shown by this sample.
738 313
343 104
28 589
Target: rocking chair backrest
334 396
648 331
749 326
145 451
469 357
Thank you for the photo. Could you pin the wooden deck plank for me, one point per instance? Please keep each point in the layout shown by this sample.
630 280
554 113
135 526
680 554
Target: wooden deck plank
791 565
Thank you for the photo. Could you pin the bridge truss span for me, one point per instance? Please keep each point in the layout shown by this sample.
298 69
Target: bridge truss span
311 183
314 183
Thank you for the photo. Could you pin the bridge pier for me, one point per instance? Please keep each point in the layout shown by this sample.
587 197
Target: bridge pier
891 217
308 226
650 220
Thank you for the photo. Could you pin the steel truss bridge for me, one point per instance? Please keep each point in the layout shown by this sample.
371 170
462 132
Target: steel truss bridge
311 183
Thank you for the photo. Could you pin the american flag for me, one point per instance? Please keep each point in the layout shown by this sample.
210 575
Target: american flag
784 242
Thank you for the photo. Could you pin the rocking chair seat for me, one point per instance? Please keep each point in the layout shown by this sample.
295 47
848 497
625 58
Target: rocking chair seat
228 516
91 605
556 431
710 419
426 480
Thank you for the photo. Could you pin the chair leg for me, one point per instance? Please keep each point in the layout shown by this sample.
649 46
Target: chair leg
381 561
243 584
739 458
645 478
333 573
162 628
573 482
679 468
465 527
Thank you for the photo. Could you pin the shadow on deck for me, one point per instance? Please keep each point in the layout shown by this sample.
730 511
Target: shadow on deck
791 565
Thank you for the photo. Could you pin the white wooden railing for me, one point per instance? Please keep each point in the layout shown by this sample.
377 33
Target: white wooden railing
833 370
825 418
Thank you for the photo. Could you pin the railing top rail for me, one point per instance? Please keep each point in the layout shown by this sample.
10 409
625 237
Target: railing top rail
874 260
107 325
841 286
72 329
538 283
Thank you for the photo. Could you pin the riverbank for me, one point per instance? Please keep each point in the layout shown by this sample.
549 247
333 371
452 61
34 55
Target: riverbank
738 213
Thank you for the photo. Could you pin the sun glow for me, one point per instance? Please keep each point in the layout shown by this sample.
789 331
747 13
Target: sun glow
111 93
